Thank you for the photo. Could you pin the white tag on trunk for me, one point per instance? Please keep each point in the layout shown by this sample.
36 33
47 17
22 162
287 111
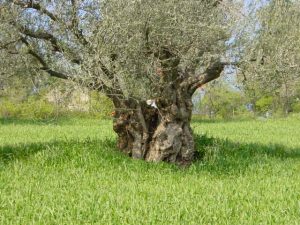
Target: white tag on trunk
151 103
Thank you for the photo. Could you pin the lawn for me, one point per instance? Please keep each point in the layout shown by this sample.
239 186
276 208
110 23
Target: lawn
69 172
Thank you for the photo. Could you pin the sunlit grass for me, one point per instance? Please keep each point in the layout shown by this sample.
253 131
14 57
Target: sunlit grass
69 172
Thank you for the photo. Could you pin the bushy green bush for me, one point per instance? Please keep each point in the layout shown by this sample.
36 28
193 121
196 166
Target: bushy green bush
9 109
31 108
264 104
296 107
38 107
100 105
222 102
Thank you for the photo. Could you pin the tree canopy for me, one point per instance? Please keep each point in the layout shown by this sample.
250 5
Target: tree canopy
270 64
120 47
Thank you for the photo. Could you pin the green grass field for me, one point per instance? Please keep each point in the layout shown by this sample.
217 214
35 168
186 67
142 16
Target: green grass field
69 172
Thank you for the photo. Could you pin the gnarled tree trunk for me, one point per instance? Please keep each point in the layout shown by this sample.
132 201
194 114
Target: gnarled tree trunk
155 134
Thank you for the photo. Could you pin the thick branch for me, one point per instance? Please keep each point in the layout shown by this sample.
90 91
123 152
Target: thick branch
96 85
38 7
75 23
211 73
44 64
73 27
42 35
106 71
75 20
6 45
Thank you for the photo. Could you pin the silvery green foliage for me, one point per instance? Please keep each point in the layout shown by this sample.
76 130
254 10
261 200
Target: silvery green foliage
271 62
115 44
135 32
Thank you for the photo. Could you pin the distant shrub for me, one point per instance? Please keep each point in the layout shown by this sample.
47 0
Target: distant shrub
31 108
100 105
38 107
9 109
296 107
264 104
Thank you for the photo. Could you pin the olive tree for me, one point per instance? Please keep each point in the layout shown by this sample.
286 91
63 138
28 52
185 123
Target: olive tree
149 57
271 61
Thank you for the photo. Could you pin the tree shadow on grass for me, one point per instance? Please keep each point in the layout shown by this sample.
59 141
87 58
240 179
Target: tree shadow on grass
225 156
63 148
214 155
196 120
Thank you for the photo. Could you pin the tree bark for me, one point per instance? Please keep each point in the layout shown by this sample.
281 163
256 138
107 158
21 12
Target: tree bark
156 134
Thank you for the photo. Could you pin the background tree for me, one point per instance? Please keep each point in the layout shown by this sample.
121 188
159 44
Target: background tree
270 65
221 100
